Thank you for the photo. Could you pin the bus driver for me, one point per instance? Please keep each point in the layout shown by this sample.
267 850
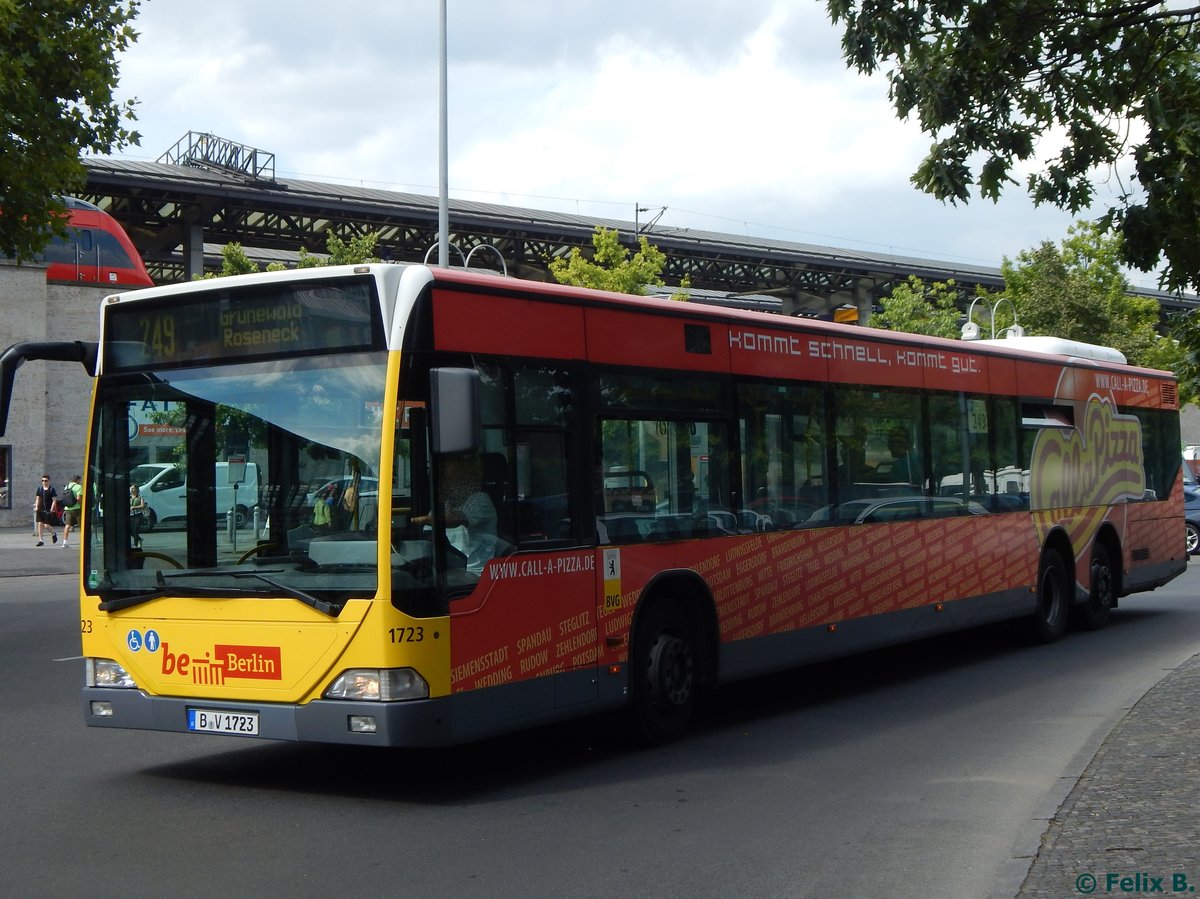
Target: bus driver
469 515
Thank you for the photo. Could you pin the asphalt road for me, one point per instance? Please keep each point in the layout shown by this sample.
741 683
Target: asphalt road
928 770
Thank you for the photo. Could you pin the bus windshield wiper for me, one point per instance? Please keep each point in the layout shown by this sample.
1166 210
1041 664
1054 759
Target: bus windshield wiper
127 602
308 599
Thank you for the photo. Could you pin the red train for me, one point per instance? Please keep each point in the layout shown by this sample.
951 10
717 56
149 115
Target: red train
97 250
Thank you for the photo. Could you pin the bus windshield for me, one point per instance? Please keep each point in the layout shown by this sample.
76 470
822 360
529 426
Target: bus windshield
252 478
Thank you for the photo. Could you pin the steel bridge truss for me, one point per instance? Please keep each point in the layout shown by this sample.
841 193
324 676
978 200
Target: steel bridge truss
180 213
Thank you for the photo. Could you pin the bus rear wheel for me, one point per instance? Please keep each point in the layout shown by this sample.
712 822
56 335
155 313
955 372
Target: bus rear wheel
1093 614
1049 620
663 674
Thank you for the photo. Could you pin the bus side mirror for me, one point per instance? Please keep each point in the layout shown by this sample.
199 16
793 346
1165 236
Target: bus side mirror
454 395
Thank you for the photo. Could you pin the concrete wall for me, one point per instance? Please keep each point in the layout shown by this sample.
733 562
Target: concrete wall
47 423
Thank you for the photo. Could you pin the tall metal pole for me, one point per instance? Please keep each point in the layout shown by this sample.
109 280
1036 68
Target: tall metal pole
443 176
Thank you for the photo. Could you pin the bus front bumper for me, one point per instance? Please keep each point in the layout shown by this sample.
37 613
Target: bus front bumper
413 723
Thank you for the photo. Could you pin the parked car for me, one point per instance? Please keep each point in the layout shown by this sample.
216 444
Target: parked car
784 510
1191 519
1191 510
870 511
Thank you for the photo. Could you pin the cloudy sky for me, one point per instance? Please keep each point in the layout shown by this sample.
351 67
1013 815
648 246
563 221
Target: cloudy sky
738 117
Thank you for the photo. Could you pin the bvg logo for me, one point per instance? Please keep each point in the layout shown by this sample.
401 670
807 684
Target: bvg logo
225 662
1086 469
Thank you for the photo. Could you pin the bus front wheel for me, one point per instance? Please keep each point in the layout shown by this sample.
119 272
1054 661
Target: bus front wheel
1049 621
663 674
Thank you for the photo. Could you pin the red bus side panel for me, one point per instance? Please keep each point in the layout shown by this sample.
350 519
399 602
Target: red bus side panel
766 584
530 616
466 322
625 338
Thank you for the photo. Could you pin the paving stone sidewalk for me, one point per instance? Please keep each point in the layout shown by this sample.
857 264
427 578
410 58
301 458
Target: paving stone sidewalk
1131 825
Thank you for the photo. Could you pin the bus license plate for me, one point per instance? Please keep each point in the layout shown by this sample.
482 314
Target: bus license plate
217 721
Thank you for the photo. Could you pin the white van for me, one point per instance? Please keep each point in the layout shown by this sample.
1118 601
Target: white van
164 487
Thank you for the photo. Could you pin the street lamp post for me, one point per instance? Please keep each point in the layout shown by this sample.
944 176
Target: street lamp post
443 176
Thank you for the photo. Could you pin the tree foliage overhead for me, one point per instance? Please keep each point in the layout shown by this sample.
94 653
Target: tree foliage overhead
358 249
58 75
234 261
990 79
1186 330
917 308
1077 291
611 266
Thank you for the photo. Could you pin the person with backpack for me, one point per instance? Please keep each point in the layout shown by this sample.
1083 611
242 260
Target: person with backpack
72 504
43 510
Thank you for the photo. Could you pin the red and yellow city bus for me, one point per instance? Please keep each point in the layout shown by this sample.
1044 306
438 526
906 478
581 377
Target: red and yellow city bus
817 490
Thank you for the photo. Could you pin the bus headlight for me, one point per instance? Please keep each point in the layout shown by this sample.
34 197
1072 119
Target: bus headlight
106 673
378 685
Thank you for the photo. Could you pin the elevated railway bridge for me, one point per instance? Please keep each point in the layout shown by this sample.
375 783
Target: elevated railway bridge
207 192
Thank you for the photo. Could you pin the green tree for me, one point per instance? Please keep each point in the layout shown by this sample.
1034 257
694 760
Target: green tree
1184 360
917 308
58 74
990 79
360 248
611 267
234 261
1077 291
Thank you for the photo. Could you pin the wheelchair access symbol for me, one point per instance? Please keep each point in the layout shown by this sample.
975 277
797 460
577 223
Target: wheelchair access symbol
135 640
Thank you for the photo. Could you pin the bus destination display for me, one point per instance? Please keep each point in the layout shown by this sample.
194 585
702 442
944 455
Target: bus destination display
294 319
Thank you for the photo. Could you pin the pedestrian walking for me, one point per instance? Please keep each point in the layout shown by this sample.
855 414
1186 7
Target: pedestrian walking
72 505
137 514
43 510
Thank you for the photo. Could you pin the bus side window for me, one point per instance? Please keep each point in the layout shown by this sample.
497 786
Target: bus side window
1009 478
528 415
663 443
950 446
784 452
883 450
1160 455
661 480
